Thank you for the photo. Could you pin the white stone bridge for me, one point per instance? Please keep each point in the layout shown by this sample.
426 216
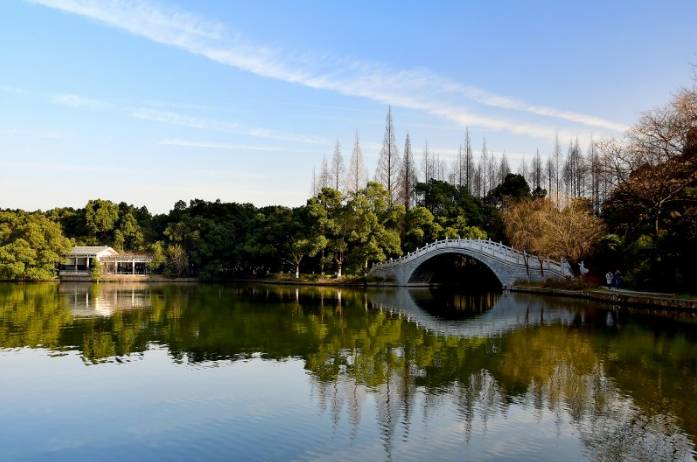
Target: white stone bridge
506 263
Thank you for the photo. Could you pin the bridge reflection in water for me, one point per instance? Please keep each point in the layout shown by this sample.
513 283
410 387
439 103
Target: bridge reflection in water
438 371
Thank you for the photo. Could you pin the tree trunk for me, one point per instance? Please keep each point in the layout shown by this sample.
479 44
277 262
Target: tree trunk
573 264
338 269
297 270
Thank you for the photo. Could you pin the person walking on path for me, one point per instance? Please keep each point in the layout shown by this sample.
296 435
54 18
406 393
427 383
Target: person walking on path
617 279
608 279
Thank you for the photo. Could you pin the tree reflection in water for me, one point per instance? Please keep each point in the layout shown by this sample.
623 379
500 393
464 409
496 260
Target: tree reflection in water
625 383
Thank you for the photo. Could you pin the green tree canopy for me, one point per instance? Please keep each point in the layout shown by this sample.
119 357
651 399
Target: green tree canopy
31 246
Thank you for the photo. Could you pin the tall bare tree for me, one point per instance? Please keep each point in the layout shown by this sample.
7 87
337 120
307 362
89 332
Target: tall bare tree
469 167
504 169
483 162
491 171
477 180
557 156
426 164
523 169
356 176
458 167
407 176
388 163
337 168
550 174
324 180
537 171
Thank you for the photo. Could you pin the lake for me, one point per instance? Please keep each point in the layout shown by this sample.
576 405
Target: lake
245 372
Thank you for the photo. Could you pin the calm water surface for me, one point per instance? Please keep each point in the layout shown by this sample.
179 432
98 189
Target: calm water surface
194 372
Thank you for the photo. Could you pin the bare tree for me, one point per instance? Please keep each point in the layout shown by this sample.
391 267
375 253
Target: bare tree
652 190
426 164
504 168
550 175
356 177
479 180
469 167
557 155
491 171
337 169
523 169
483 162
458 167
537 171
388 163
324 180
407 176
661 133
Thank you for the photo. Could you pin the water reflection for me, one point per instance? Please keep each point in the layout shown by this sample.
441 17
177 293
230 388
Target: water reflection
86 300
613 385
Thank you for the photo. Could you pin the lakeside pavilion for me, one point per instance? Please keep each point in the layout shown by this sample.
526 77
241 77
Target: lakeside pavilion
82 259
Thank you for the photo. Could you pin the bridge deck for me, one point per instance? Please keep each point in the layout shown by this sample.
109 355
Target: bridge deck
506 262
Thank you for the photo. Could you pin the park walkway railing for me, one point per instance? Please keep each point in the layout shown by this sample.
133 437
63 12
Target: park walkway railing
486 247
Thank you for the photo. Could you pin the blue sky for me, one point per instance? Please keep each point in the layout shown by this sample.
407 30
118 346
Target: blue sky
154 101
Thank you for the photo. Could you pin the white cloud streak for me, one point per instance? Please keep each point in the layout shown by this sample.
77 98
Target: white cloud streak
220 146
203 123
77 101
11 90
413 89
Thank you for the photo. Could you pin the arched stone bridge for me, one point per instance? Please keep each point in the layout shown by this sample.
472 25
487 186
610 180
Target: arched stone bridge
506 263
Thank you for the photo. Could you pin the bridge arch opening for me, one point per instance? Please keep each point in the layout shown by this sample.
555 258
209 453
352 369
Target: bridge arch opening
456 269
454 303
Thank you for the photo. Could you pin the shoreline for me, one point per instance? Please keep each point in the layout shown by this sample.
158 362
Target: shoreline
643 300
646 301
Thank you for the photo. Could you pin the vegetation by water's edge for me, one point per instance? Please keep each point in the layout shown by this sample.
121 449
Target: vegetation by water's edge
619 297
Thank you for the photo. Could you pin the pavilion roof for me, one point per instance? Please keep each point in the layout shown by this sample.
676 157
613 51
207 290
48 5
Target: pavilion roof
91 250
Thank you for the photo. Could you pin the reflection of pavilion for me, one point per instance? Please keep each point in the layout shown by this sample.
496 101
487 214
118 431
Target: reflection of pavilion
86 300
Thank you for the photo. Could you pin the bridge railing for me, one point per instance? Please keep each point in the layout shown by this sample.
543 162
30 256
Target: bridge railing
488 247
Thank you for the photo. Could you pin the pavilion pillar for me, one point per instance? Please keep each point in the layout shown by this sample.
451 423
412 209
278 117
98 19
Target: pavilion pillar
134 266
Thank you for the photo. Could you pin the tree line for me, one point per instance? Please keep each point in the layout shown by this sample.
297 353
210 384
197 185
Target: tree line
628 204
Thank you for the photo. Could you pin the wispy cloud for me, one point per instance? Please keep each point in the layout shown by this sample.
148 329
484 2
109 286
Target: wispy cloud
60 166
79 101
174 118
46 134
221 146
12 90
420 90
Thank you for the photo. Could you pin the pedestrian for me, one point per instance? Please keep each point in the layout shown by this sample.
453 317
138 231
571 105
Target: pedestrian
608 279
617 279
